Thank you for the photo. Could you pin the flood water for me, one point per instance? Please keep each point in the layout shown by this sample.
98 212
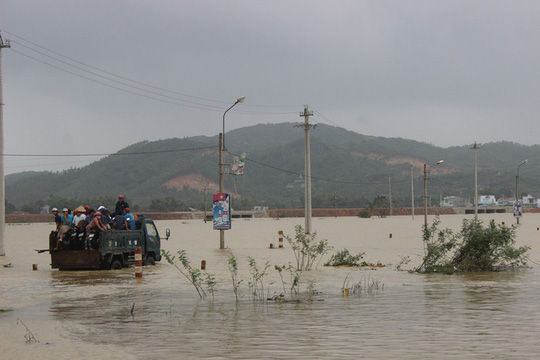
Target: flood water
88 313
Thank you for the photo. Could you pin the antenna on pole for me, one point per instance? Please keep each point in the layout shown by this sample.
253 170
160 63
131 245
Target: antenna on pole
2 183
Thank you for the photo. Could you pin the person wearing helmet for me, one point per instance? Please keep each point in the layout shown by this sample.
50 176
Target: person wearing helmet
94 226
121 205
57 218
130 219
96 223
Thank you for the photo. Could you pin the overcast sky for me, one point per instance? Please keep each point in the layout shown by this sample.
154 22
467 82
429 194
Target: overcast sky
444 72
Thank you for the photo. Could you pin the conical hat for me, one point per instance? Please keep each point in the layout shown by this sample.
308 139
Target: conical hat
81 209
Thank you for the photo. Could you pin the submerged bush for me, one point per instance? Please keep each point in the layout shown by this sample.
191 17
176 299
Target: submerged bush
344 258
475 248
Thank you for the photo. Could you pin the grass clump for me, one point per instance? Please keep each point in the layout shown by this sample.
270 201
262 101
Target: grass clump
367 285
474 248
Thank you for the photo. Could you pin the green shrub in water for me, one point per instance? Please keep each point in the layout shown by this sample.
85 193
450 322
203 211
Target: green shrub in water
475 248
344 258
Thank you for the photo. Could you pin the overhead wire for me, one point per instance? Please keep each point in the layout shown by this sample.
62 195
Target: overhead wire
175 100
110 154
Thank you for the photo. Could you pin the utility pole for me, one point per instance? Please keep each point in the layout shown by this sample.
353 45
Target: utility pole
2 184
335 205
412 191
390 193
205 189
307 178
475 147
221 232
426 169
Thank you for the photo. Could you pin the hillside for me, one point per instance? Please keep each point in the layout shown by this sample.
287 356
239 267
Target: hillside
348 168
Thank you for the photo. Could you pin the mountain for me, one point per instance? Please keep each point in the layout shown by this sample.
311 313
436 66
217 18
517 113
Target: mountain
347 168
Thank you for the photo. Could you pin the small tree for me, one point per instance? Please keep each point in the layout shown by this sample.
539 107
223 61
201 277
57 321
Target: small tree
306 249
379 206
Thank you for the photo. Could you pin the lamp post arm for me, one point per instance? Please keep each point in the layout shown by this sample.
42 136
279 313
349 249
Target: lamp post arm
223 140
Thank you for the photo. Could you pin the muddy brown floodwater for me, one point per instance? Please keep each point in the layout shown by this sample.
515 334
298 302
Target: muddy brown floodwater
75 314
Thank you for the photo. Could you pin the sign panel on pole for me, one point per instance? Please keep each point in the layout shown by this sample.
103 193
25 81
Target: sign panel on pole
222 212
517 209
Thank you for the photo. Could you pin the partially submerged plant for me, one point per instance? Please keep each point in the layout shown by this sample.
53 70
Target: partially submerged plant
367 285
294 279
195 276
344 258
475 248
233 269
29 336
306 249
256 284
404 261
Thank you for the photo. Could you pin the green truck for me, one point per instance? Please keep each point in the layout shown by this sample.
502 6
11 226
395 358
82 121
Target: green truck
112 249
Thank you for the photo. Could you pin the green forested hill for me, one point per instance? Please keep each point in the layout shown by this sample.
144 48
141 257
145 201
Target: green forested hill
347 167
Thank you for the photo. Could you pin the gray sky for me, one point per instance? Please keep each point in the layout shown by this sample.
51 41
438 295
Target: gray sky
443 72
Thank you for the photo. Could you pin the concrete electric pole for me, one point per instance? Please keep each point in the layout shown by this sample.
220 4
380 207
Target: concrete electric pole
307 178
2 184
475 147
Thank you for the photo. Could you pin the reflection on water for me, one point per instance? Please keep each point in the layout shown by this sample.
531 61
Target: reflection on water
108 314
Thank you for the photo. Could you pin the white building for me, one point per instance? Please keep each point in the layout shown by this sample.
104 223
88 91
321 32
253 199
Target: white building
487 200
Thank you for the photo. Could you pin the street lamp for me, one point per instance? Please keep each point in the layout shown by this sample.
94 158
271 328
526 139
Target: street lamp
221 150
517 182
239 100
426 174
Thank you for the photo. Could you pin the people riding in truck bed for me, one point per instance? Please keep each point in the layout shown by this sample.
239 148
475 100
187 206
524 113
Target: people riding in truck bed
89 216
66 224
120 222
95 225
106 219
121 205
78 219
130 219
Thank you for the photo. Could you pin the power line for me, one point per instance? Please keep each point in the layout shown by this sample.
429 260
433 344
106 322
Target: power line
183 102
109 154
316 177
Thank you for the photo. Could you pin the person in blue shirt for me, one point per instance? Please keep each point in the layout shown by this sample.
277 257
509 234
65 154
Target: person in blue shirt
130 219
67 223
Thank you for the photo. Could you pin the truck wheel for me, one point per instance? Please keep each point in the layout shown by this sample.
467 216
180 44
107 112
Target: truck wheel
116 265
149 260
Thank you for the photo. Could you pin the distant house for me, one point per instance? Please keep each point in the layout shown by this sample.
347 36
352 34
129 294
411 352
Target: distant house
447 201
487 200
45 209
451 201
528 200
505 201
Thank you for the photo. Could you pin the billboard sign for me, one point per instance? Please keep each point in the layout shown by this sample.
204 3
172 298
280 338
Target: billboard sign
517 209
222 212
